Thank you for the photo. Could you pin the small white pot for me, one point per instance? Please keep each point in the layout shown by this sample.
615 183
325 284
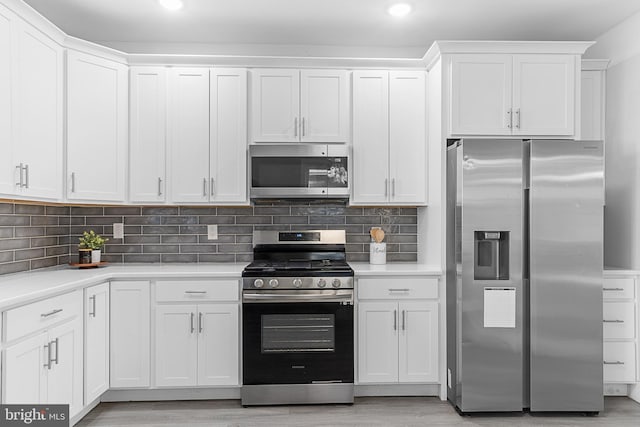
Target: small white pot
378 253
95 256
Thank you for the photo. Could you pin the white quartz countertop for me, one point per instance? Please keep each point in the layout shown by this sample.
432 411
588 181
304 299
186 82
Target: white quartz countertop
22 288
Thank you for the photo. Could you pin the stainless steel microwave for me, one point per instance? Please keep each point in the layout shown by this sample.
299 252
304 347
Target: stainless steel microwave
299 171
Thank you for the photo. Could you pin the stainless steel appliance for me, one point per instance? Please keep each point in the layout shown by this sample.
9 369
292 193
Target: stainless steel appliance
299 171
524 275
297 319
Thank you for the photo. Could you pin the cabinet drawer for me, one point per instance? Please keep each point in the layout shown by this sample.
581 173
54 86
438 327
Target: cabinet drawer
619 362
198 290
618 287
29 318
397 288
618 320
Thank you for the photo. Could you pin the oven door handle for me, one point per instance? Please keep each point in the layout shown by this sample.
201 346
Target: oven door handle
331 296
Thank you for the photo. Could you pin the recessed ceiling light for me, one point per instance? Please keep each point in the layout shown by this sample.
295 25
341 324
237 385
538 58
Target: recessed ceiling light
171 4
399 10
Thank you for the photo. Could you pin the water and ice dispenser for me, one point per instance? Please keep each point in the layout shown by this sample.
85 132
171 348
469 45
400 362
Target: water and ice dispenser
491 260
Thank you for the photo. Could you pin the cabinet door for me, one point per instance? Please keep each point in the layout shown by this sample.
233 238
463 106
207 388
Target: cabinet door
218 357
147 143
418 344
97 126
25 371
593 102
407 137
378 342
370 137
37 106
544 94
130 334
64 379
481 94
96 341
188 124
8 170
176 349
228 130
324 106
275 105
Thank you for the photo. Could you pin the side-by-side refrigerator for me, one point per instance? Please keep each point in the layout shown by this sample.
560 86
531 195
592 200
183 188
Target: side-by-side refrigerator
524 275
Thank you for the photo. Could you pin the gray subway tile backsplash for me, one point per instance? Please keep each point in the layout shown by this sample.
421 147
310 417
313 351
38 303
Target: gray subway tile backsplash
36 236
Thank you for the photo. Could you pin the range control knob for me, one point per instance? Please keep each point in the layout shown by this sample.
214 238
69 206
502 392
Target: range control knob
258 283
297 283
273 283
336 283
322 283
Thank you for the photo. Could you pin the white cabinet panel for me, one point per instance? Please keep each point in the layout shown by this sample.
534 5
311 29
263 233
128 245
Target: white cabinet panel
25 371
188 116
176 353
370 136
64 379
481 94
618 288
147 142
619 362
324 106
218 344
97 127
378 342
7 168
418 343
397 288
275 105
593 105
619 320
543 94
96 342
228 163
130 334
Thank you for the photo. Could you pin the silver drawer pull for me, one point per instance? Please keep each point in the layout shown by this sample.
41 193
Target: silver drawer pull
56 358
192 327
47 351
614 363
195 292
51 313
612 321
200 322
400 290
92 313
613 289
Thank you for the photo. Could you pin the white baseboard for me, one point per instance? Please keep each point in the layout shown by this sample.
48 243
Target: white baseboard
616 390
362 390
634 392
80 415
171 394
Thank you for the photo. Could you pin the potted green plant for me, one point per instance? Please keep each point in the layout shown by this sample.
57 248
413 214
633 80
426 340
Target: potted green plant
93 242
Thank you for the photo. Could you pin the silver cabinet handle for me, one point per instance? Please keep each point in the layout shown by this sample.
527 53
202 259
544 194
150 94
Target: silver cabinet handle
195 292
192 327
303 127
613 289
395 320
73 182
200 322
92 313
393 187
47 352
404 320
19 183
57 345
386 187
51 313
159 186
399 289
612 321
204 187
617 362
213 187
295 126
518 118
26 174
509 119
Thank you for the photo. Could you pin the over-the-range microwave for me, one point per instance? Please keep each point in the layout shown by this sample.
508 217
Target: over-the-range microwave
299 171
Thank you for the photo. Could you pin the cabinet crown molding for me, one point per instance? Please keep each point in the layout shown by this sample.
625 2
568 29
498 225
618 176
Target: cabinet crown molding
595 64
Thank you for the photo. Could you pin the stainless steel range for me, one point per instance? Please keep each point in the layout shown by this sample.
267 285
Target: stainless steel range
297 318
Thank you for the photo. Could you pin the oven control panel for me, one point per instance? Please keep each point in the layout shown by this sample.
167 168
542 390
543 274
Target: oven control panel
345 282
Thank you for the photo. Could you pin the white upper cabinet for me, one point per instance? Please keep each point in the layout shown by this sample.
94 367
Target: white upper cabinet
97 125
504 94
593 105
147 134
299 106
31 75
389 137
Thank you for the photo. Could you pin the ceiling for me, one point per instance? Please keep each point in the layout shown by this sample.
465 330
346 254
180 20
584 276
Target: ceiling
332 28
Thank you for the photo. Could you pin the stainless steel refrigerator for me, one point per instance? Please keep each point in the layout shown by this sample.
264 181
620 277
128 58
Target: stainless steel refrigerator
524 275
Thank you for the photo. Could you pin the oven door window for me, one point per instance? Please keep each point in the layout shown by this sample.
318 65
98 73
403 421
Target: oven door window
298 333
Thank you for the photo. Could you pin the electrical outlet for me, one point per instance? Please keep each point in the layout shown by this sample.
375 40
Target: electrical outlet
118 230
212 232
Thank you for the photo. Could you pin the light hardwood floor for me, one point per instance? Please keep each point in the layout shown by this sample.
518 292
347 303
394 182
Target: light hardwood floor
367 411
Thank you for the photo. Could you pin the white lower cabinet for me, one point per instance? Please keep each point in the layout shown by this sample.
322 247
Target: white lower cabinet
96 341
130 334
398 336
47 367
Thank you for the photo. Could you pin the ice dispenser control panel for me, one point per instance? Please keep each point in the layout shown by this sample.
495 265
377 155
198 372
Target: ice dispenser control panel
491 259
